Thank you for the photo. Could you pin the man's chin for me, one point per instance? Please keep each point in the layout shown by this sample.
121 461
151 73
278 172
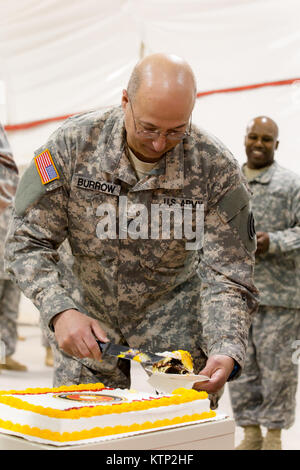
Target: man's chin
258 163
150 155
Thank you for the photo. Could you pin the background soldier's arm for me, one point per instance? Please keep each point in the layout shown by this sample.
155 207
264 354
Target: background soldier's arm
288 240
8 172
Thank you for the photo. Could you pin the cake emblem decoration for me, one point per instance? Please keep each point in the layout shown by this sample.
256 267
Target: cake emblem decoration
90 397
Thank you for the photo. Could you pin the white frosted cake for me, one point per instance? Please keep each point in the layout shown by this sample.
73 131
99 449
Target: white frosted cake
84 412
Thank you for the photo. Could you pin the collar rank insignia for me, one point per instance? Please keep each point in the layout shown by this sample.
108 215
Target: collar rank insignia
46 167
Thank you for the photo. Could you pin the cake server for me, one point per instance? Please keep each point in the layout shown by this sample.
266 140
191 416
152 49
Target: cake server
125 352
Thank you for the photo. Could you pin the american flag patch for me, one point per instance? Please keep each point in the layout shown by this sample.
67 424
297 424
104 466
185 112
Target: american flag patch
46 167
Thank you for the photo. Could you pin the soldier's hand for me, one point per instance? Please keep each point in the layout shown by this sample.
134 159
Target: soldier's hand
75 333
263 242
218 368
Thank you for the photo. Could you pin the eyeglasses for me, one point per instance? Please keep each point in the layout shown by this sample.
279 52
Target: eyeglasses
153 135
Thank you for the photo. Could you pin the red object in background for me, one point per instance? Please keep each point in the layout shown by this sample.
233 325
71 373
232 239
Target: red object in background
201 94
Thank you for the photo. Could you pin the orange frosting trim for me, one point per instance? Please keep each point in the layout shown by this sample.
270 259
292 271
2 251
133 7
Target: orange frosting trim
63 388
180 395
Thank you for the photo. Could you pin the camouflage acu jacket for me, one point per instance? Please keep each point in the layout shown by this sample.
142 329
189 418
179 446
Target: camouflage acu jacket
8 186
276 208
144 290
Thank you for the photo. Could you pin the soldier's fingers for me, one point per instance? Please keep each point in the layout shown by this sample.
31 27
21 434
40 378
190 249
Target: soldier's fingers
93 348
200 386
98 332
82 349
216 382
71 344
72 350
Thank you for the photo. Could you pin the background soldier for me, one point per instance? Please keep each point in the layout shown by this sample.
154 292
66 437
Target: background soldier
265 393
9 292
143 292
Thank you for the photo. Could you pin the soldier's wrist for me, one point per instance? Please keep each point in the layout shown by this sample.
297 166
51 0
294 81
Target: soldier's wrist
273 246
56 317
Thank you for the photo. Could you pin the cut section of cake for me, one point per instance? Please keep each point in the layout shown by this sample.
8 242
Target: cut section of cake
175 362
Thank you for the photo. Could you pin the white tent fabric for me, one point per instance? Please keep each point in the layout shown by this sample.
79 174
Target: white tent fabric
64 57
59 58
228 43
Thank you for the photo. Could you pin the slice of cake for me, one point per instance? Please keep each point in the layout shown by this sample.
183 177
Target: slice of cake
175 362
85 413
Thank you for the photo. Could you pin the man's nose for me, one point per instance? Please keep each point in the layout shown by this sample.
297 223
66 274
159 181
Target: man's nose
258 143
160 143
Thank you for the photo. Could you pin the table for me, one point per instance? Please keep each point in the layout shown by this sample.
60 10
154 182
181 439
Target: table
214 435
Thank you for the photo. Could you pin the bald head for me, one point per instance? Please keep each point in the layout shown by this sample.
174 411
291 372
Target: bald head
265 122
166 73
261 142
160 98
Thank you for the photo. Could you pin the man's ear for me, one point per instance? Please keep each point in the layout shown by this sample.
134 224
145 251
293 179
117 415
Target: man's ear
125 99
277 144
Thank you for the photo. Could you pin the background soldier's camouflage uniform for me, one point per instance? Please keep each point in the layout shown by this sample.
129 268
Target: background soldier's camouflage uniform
143 292
9 292
265 393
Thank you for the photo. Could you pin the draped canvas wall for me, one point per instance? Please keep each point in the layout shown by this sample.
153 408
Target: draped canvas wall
59 57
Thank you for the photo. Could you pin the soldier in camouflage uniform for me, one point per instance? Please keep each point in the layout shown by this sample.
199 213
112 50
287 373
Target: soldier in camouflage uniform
264 395
146 292
9 292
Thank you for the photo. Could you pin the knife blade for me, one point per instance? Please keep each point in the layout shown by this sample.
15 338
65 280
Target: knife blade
125 352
